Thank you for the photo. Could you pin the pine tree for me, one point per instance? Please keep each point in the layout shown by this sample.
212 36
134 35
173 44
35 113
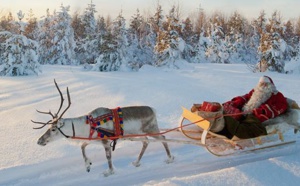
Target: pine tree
297 37
8 24
134 40
201 23
189 37
31 28
217 48
113 48
291 42
77 26
157 20
257 29
45 38
272 46
101 26
18 56
201 49
235 37
87 49
169 45
64 43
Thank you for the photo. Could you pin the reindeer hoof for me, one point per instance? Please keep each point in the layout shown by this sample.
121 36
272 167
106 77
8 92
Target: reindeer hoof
108 172
170 160
88 164
136 164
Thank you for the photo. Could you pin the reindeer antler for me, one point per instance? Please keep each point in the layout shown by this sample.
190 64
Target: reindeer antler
55 117
46 113
61 97
44 124
69 101
62 100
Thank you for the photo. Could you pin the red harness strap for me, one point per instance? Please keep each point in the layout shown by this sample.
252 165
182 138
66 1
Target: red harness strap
118 121
95 124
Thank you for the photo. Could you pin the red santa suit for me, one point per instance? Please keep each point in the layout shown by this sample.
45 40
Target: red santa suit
264 101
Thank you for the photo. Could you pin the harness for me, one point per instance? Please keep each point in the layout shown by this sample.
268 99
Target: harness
116 116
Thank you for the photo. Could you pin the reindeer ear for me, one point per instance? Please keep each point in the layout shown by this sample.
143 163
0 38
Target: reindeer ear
60 124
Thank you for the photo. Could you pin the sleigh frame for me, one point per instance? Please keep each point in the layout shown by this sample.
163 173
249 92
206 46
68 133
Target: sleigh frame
219 145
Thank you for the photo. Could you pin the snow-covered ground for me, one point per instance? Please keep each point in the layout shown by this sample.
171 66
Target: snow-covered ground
23 162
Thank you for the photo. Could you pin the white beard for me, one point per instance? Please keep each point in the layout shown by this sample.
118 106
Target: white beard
259 96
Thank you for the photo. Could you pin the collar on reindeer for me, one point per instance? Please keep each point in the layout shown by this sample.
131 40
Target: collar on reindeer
59 129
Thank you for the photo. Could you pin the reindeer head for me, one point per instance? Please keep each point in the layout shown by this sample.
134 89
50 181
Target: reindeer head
55 123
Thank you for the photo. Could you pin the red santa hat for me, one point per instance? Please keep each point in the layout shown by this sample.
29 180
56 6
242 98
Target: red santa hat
266 79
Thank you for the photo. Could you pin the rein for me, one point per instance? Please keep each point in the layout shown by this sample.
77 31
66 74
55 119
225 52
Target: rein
109 134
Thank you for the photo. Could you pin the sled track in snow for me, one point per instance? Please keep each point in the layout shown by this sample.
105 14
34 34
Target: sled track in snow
57 171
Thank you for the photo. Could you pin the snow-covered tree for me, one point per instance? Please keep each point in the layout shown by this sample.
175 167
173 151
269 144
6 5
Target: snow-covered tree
113 48
257 28
201 22
156 20
201 48
189 36
21 25
169 44
101 26
56 38
8 23
272 46
64 38
45 37
19 56
31 28
291 41
77 26
135 49
217 47
235 37
89 44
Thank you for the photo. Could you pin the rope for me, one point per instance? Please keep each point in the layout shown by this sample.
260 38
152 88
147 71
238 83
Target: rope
153 134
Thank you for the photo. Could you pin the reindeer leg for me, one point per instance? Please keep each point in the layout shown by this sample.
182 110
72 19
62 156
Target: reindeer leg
137 162
107 148
170 157
87 161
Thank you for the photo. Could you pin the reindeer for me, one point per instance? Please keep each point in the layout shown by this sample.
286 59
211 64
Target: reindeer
137 120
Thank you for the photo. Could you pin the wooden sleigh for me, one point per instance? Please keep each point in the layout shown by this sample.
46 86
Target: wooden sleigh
219 145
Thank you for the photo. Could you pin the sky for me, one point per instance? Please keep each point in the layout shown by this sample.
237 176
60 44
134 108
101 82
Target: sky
250 9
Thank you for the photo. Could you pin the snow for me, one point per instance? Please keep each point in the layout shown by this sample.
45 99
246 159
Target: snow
23 162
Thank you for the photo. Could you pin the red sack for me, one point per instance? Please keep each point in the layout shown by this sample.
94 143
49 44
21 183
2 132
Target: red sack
212 112
210 106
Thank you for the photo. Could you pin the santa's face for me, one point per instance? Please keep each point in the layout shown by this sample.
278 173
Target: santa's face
263 84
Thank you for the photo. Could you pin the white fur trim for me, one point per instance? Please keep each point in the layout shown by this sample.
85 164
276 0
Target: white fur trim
264 79
273 115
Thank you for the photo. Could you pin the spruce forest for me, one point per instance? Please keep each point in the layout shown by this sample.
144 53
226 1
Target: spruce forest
162 39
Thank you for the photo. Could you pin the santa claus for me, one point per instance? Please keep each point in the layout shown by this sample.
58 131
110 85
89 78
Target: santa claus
250 110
